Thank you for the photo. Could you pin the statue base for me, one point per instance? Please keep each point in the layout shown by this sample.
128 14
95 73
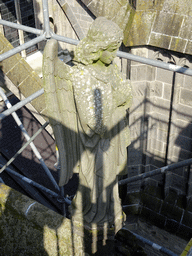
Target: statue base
93 239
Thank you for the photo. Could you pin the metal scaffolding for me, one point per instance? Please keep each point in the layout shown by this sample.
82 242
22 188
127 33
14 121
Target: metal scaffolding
46 34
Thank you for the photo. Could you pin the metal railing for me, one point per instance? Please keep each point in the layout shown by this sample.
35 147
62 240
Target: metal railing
47 34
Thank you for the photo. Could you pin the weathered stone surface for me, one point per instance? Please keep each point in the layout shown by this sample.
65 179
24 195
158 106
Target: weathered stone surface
30 85
163 24
69 13
9 63
187 216
151 202
144 73
184 128
118 11
155 218
186 97
132 209
159 134
152 187
178 44
3 44
20 73
164 76
160 40
138 32
156 89
180 154
183 142
186 28
189 47
140 88
158 145
187 82
176 182
26 227
167 91
168 24
172 211
141 51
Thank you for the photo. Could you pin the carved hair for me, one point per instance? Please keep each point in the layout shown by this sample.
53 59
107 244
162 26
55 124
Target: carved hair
102 34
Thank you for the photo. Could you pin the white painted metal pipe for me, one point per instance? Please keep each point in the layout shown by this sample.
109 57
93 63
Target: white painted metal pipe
27 137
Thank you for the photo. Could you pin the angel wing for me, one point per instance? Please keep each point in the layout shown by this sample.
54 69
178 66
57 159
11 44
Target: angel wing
61 109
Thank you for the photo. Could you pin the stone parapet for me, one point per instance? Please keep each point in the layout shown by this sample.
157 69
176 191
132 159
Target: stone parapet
29 228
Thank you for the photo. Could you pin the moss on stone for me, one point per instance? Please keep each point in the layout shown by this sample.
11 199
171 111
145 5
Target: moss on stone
36 231
4 193
178 44
128 28
140 29
160 40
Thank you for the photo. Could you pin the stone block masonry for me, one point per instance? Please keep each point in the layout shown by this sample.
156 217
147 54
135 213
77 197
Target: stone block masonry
160 123
25 81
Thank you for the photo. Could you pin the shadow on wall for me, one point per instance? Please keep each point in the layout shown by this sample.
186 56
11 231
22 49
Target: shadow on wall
160 135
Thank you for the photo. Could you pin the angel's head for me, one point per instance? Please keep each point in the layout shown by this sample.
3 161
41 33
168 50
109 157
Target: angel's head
101 43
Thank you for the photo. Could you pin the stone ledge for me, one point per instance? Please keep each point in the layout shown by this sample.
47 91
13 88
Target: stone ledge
18 71
27 227
22 80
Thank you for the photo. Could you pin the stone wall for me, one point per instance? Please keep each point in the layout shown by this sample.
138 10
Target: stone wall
160 124
161 111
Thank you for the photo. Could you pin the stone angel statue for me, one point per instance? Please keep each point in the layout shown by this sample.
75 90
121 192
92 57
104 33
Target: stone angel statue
87 105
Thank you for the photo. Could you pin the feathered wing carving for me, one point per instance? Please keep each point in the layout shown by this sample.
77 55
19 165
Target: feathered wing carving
61 109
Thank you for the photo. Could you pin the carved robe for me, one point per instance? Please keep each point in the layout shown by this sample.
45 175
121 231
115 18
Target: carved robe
102 98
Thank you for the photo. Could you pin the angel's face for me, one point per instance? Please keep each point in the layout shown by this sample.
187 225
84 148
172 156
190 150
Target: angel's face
108 55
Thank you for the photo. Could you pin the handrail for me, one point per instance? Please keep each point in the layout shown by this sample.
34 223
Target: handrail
21 27
35 184
156 172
